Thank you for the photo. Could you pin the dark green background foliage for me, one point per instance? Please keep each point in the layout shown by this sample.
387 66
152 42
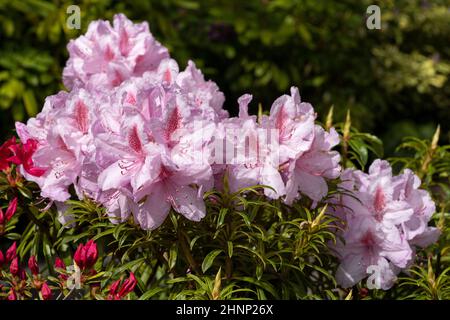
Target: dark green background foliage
394 80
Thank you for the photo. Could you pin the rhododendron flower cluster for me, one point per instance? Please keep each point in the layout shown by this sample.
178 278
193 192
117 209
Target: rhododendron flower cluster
108 55
287 151
384 217
140 137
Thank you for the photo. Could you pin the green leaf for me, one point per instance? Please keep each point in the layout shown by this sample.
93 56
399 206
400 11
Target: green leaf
173 256
129 265
223 212
13 236
360 149
230 248
25 192
262 284
375 143
259 272
103 233
150 293
30 103
209 259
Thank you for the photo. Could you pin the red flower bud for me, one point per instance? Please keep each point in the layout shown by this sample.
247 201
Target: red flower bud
59 264
2 259
80 256
363 292
46 292
22 274
32 264
14 267
86 255
91 253
12 295
113 290
128 285
12 207
11 253
5 153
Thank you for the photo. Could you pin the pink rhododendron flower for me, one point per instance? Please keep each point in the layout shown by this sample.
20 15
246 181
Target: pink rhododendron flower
384 217
416 228
309 171
365 246
108 55
294 121
297 158
256 161
132 150
64 139
171 187
203 96
305 149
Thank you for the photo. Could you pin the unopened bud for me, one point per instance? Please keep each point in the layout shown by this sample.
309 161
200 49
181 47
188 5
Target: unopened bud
32 264
46 292
14 267
11 253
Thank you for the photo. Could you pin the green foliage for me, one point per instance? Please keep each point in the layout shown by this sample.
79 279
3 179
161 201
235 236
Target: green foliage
356 146
425 285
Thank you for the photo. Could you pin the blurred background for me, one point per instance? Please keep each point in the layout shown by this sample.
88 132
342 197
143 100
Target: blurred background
395 80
